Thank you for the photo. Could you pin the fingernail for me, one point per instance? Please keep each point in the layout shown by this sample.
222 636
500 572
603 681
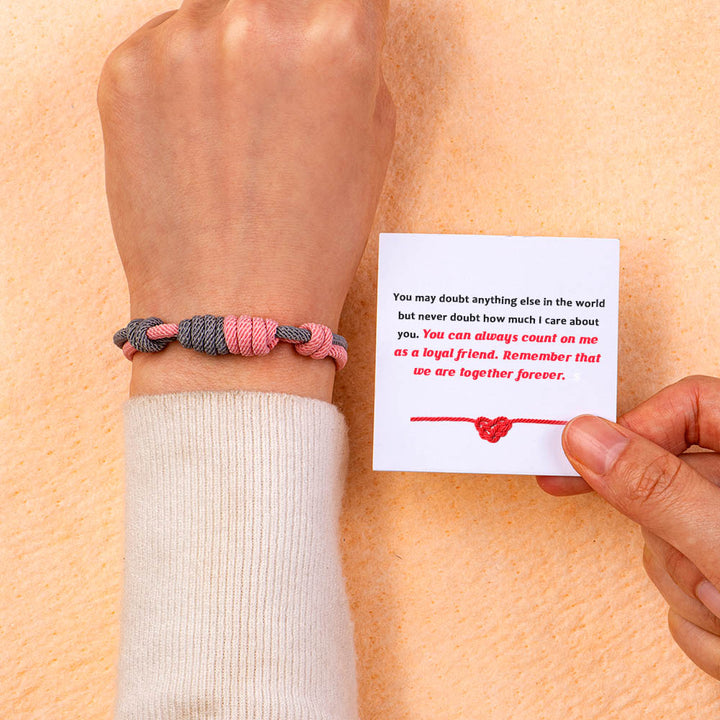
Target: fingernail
594 443
709 596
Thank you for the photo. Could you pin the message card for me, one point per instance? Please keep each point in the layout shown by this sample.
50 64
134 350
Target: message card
487 346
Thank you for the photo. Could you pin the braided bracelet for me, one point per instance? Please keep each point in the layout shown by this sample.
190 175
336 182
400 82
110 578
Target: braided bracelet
237 335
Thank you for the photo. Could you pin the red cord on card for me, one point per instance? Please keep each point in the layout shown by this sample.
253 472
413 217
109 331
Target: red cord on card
490 429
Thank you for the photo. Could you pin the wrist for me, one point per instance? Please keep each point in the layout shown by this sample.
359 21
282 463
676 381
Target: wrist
181 369
178 369
292 306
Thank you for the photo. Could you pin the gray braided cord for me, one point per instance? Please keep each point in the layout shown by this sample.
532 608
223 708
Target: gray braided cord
302 335
203 333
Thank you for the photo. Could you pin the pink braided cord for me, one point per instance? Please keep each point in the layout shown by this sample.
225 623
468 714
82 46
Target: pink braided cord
339 354
165 330
247 335
128 350
319 344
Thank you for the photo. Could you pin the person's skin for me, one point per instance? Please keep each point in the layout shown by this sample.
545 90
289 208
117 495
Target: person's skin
640 467
246 144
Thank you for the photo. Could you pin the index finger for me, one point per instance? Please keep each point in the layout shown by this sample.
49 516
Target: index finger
684 414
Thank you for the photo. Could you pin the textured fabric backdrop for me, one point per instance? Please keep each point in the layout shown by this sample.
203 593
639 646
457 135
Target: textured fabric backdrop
473 597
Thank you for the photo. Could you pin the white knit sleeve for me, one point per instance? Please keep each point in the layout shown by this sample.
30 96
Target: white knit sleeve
234 602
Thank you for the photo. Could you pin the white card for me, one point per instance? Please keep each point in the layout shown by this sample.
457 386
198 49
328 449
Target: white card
486 345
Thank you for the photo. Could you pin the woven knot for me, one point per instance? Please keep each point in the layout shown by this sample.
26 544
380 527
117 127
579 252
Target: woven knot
493 429
247 335
320 343
136 335
203 333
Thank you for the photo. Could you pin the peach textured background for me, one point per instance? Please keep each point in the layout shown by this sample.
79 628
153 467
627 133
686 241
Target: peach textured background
474 597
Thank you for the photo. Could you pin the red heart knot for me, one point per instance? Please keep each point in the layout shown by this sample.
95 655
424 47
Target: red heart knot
493 429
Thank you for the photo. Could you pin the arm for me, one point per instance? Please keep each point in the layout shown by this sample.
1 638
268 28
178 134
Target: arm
246 145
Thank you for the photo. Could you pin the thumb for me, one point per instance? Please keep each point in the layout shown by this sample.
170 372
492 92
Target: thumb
650 486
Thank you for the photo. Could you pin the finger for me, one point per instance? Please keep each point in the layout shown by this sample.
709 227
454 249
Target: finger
682 571
702 647
563 486
676 597
650 486
684 414
705 463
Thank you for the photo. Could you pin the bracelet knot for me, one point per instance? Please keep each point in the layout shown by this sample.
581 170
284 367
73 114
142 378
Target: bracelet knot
247 335
319 344
203 333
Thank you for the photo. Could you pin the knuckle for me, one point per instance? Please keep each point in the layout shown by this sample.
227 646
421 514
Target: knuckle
341 39
351 26
348 35
253 34
235 30
655 482
180 46
121 74
694 380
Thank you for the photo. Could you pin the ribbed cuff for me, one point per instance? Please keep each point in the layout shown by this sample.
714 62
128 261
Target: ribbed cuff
234 604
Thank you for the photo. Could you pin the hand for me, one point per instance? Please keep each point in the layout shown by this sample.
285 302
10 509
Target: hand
246 144
676 500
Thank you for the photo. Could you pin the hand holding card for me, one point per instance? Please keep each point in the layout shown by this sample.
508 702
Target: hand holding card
487 346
